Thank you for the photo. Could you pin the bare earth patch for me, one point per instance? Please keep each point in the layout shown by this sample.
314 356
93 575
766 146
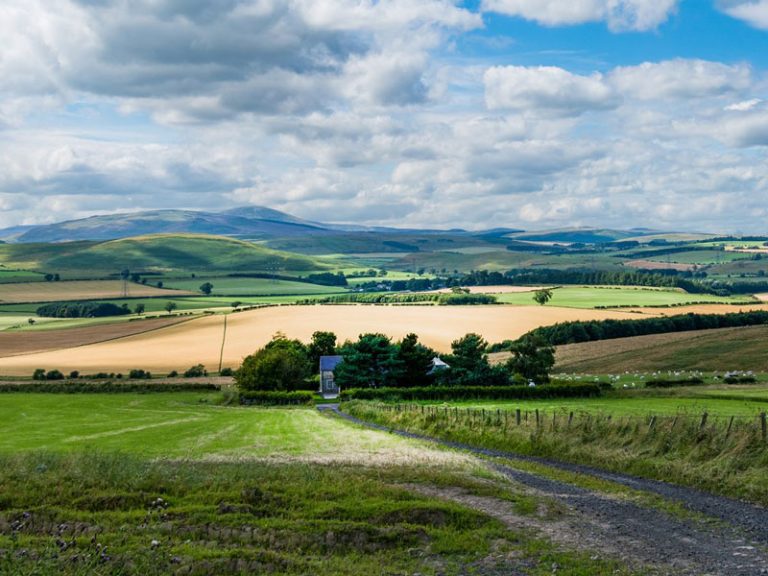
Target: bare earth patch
653 265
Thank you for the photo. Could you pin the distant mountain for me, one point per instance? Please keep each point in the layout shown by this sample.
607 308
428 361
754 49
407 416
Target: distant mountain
581 235
254 222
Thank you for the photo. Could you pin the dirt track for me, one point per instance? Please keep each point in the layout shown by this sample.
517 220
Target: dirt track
734 542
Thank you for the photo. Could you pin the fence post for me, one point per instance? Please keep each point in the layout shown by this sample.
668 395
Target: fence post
570 419
730 425
764 426
537 418
703 421
652 423
674 422
518 415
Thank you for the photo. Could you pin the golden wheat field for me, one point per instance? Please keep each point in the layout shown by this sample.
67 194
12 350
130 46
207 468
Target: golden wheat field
77 290
200 341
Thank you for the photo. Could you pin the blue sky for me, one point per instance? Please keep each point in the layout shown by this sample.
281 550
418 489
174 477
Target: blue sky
519 113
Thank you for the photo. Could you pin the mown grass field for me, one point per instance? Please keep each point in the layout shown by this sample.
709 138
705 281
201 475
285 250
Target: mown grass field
190 426
605 296
744 348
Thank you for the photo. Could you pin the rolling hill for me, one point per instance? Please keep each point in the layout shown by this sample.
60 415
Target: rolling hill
158 252
254 222
721 349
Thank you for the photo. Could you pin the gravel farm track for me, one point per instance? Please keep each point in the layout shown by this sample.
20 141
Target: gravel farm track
720 536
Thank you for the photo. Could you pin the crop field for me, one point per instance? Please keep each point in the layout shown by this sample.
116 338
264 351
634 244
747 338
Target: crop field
725 349
226 286
200 340
37 340
701 257
592 296
76 290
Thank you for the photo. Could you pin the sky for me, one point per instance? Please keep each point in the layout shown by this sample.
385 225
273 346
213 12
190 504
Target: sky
527 114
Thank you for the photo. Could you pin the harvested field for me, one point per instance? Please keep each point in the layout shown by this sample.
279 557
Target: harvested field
762 297
199 340
15 343
78 290
653 265
724 349
700 309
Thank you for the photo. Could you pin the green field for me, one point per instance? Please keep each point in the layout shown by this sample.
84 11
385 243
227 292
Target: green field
696 404
593 296
19 275
226 286
181 425
160 484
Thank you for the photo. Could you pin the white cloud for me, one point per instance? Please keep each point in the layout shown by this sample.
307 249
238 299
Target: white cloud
753 12
680 79
546 88
620 15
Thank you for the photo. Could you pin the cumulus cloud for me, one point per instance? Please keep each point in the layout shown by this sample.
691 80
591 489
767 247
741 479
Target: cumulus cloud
546 88
620 15
753 12
680 79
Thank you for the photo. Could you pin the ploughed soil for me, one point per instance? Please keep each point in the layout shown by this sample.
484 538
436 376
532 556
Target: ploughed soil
720 536
17 343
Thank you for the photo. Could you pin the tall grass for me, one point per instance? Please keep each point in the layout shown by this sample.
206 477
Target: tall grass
728 456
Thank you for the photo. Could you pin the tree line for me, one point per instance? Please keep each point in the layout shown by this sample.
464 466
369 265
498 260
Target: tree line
376 361
591 330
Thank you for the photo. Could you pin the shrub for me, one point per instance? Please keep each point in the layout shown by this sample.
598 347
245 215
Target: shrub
472 392
81 310
54 375
173 374
138 374
281 365
38 374
82 386
673 383
280 398
74 375
196 371
226 372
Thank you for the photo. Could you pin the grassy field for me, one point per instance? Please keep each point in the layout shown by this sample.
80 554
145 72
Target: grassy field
592 296
729 460
174 484
720 404
190 426
78 290
200 340
226 286
744 348
18 275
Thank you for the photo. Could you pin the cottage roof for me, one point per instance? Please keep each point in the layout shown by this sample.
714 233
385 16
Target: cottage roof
330 362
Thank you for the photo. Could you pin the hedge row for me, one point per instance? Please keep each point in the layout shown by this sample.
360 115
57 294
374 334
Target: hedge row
674 383
261 398
80 387
591 330
473 392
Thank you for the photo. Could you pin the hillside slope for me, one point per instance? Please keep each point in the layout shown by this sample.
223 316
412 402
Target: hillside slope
155 252
709 350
